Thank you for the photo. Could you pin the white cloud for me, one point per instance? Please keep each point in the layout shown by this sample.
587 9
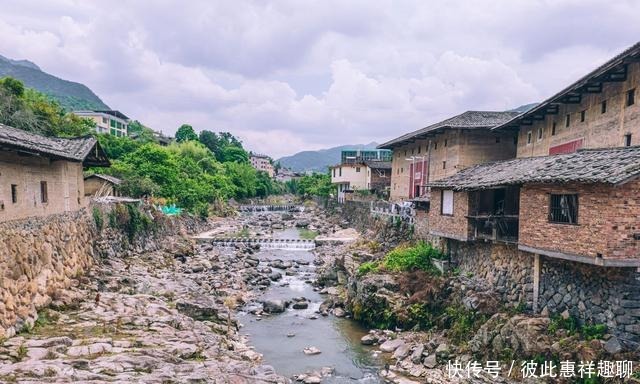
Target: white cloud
375 70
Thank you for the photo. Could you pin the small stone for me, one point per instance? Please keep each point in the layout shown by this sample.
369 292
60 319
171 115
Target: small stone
431 361
391 345
339 312
613 346
368 340
310 351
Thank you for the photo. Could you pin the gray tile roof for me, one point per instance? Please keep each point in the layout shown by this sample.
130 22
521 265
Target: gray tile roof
378 164
75 149
593 77
466 120
111 179
609 165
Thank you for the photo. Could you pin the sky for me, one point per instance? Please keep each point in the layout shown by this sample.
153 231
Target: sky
287 76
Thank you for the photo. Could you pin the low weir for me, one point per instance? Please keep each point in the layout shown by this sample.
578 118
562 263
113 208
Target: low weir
286 244
271 208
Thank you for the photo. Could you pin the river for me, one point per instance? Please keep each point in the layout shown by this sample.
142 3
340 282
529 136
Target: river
281 338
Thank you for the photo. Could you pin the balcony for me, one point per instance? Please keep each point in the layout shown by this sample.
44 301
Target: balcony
494 214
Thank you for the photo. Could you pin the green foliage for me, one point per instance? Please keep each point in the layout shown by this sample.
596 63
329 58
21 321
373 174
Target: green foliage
569 324
234 154
97 218
462 323
593 331
318 184
32 111
368 267
219 142
186 133
408 258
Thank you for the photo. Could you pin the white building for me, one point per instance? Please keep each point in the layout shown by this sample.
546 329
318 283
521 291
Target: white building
110 122
262 163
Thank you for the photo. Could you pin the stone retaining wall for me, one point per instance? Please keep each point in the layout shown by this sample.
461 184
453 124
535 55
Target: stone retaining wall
591 294
40 256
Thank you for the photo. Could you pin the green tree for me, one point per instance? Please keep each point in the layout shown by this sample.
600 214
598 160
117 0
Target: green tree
186 133
234 154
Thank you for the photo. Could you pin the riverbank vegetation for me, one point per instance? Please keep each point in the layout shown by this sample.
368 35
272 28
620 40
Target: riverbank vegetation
405 258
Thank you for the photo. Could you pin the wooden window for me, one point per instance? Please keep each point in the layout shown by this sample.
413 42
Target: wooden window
563 208
44 192
583 116
446 202
567 120
444 165
529 137
357 169
627 140
419 149
14 193
603 106
435 145
553 129
540 131
445 143
631 97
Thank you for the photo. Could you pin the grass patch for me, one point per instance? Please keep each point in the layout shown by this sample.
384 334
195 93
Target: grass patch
569 324
405 258
307 234
462 323
368 267
593 332
244 232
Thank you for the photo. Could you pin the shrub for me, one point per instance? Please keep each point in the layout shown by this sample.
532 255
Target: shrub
418 257
366 267
97 218
462 323
558 322
593 332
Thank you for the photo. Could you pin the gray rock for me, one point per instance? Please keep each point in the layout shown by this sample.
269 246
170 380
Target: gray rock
273 306
416 356
431 361
402 351
391 345
613 346
368 339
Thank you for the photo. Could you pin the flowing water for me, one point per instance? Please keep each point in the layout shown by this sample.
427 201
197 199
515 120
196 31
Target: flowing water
338 339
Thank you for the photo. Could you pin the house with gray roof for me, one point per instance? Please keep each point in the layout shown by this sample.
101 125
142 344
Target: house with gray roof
446 147
43 175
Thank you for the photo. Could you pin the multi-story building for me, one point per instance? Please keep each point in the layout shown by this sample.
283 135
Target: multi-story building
559 222
107 121
262 163
358 173
353 155
444 148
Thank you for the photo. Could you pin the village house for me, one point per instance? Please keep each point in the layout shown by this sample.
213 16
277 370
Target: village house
109 122
99 185
444 148
361 171
262 163
43 175
557 227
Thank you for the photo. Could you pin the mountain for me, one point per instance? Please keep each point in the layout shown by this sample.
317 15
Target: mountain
71 95
523 108
319 160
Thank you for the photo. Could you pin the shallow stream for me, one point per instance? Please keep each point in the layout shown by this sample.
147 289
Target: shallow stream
282 337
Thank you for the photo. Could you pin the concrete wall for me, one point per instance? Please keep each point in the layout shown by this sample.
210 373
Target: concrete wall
455 226
451 152
65 186
607 220
350 174
599 129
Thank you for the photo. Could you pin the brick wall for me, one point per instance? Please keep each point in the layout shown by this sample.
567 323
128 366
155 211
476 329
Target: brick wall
599 129
455 226
607 220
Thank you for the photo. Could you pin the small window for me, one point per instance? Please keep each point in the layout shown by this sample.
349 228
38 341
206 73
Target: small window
540 131
603 106
14 193
529 137
435 145
405 152
631 97
334 172
113 123
583 116
567 120
105 120
419 149
412 149
627 140
446 202
444 165
44 193
357 169
340 171
445 142
553 129
563 209
498 139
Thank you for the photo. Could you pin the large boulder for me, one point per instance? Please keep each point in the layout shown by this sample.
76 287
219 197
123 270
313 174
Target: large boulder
274 306
524 335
